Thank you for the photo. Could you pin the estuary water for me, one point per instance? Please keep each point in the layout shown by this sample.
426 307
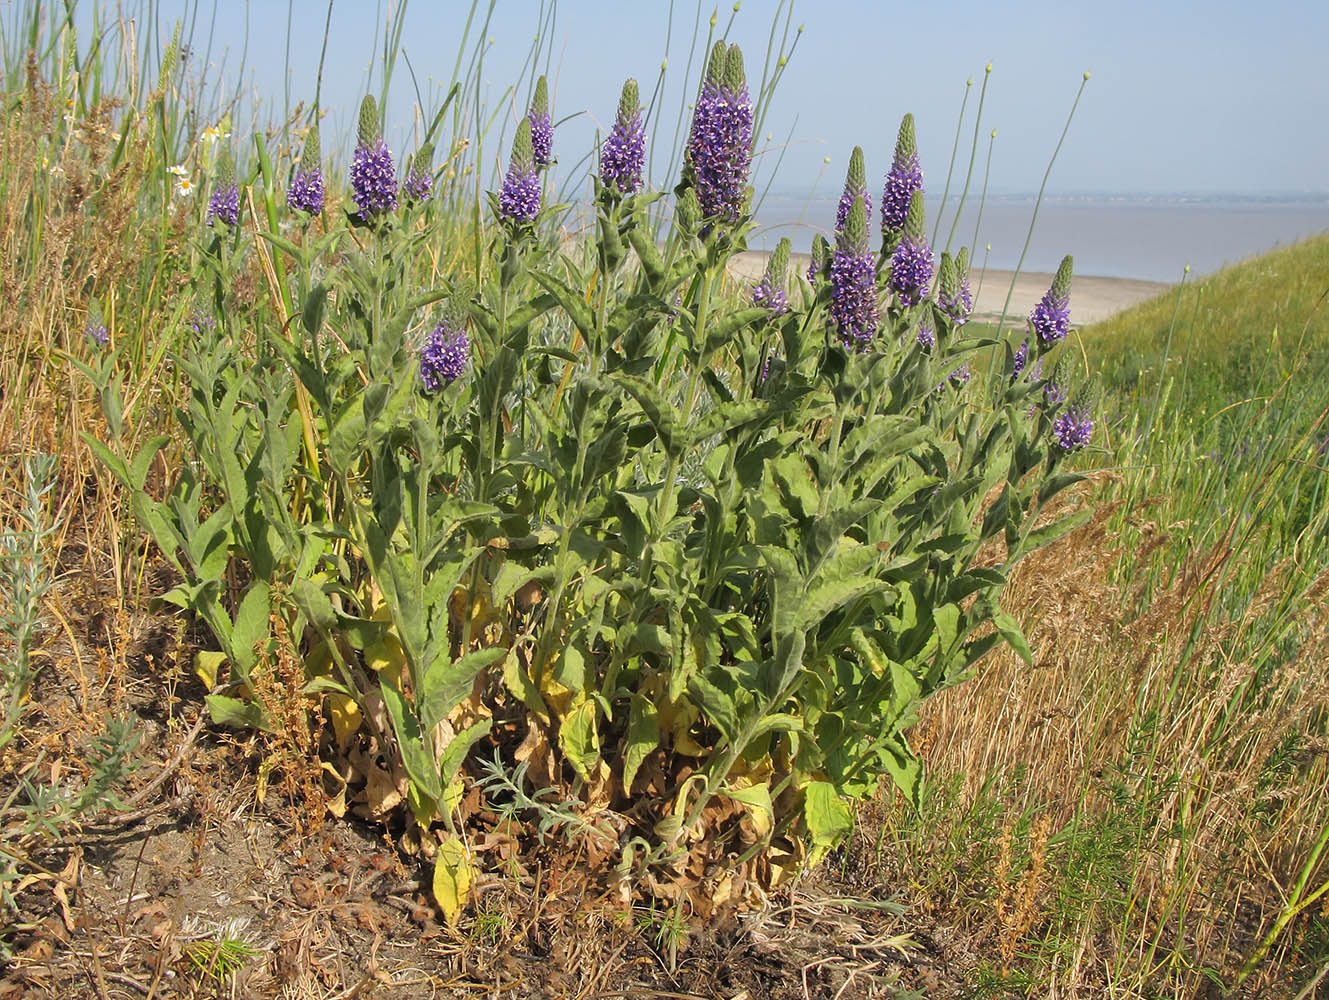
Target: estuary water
1122 236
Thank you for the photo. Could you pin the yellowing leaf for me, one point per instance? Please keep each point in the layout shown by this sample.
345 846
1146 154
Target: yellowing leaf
452 878
346 716
207 663
385 655
756 798
452 795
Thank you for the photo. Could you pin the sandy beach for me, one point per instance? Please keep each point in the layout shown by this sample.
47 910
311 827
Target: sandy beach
1092 298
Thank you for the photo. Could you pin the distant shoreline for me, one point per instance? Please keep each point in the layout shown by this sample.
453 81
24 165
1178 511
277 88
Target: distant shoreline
1093 298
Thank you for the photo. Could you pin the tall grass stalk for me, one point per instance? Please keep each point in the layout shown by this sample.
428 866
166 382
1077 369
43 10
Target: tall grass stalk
1033 219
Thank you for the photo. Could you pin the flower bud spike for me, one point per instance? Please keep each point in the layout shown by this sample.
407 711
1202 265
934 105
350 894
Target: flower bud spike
623 155
903 180
1050 319
719 150
915 223
519 198
370 129
373 177
770 291
306 192
911 263
224 204
420 173
820 252
855 187
715 67
542 126
853 283
734 78
1061 284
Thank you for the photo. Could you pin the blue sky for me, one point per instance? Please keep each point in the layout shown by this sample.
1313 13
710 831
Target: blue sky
1212 97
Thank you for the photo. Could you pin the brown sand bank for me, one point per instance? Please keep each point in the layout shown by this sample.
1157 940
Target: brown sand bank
1092 298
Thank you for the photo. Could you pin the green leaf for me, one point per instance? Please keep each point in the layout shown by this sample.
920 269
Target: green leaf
113 462
831 596
1053 532
723 331
314 604
905 770
251 627
347 439
446 682
454 754
724 418
643 737
573 303
421 767
227 711
512 576
138 471
777 722
826 813
1011 632
518 681
315 306
659 411
717 705
580 738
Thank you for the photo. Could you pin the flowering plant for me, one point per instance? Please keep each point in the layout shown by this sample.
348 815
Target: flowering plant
691 558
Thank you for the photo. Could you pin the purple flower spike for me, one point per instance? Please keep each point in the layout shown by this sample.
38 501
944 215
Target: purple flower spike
306 191
542 126
766 296
911 264
927 337
853 283
418 185
444 355
957 306
904 179
624 152
855 186
519 198
1020 359
1051 318
98 334
373 178
719 151
224 204
1073 428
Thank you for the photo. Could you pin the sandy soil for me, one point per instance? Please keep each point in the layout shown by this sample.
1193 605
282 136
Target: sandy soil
1092 298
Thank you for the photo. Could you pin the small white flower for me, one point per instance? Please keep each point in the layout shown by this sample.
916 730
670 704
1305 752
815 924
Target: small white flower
213 132
180 170
184 187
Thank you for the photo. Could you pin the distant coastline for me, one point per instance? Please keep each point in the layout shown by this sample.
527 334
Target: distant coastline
1151 237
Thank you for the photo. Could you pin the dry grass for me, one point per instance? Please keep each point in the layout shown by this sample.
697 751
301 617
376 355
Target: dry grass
1190 772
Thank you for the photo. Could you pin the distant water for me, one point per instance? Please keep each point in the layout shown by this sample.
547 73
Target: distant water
1126 236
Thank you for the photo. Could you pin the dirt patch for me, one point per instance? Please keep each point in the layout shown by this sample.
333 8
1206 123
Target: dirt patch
205 883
